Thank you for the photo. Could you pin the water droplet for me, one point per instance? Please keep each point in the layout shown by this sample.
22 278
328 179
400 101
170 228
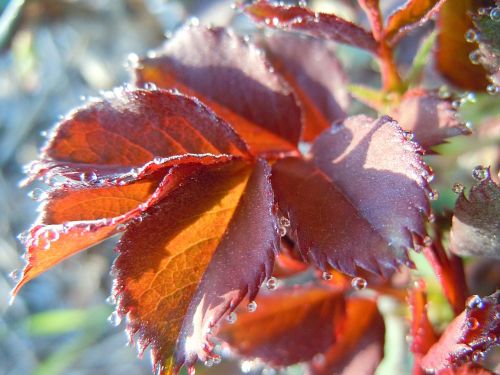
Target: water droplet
492 89
427 241
272 283
252 306
468 125
480 173
276 21
433 195
408 135
472 323
282 231
284 222
478 356
432 218
444 92
194 21
471 36
359 283
456 104
232 317
475 57
209 362
121 227
15 275
114 319
326 276
150 86
158 160
474 302
319 360
470 97
482 11
302 3
111 300
495 14
51 235
216 359
37 195
457 188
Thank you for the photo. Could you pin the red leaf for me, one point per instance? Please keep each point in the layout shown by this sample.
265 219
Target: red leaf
233 78
129 129
73 219
452 52
450 273
412 14
327 26
475 225
467 369
421 329
430 118
366 184
359 347
468 336
289 325
312 69
189 261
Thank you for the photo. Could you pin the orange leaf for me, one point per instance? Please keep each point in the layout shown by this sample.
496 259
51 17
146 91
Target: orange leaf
190 261
109 138
75 219
289 325
233 78
411 14
452 53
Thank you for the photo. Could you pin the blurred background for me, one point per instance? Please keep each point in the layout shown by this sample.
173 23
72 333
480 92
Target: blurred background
56 53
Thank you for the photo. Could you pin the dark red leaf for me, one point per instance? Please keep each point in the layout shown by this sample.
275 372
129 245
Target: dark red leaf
452 52
312 69
450 273
189 261
430 118
421 330
359 200
234 79
467 369
476 226
289 325
412 14
468 336
327 26
130 129
359 347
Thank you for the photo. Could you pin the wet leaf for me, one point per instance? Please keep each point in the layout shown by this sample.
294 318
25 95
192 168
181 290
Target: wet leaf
327 26
468 336
430 118
234 79
117 137
359 347
71 219
189 261
312 69
452 52
365 183
488 39
475 225
289 325
467 369
412 14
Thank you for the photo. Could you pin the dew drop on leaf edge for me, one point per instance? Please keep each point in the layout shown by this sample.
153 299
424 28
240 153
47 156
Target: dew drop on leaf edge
359 283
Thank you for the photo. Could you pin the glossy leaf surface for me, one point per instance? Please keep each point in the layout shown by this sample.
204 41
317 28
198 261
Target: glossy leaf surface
476 227
469 335
303 19
289 325
365 183
312 69
189 261
452 52
130 128
234 79
359 347
430 118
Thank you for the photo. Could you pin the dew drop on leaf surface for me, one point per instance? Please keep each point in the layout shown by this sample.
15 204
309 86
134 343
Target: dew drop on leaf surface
359 283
